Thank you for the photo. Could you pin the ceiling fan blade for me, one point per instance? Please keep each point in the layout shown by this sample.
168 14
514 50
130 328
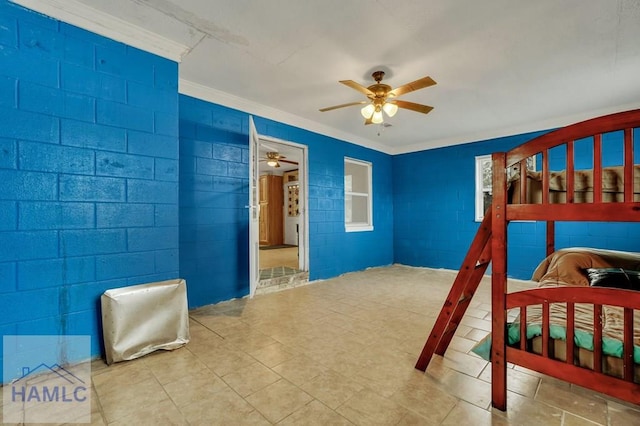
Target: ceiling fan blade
357 86
343 105
425 109
414 85
287 161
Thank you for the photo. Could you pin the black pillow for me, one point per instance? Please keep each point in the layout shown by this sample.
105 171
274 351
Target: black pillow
614 277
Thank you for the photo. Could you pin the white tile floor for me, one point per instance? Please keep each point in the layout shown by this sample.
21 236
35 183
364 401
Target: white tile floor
336 352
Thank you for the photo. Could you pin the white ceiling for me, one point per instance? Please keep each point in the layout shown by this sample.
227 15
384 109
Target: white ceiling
502 66
291 153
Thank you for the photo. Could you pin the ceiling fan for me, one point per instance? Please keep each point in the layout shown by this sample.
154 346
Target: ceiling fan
274 159
382 98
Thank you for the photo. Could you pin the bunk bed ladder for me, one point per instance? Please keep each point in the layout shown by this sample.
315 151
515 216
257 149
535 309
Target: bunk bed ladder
464 287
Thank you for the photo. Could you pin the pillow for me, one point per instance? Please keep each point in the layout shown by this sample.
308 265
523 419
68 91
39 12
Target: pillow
568 267
614 277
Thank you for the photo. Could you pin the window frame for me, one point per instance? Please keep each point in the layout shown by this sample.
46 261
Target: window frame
480 190
479 187
359 226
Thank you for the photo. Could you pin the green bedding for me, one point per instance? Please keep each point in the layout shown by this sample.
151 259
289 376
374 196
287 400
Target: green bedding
582 339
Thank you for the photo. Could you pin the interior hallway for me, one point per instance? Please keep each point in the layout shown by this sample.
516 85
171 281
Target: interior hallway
286 256
337 352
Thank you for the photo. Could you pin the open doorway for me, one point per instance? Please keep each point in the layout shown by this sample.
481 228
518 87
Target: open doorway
282 223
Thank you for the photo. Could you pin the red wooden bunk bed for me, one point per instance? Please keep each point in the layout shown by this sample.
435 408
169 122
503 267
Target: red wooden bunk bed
490 245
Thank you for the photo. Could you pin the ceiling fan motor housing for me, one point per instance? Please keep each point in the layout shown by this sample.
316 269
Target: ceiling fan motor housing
379 90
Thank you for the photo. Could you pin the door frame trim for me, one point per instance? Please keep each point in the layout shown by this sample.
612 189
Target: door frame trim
303 172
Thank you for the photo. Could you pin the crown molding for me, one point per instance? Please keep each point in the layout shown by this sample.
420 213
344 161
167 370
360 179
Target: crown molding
549 124
79 14
209 94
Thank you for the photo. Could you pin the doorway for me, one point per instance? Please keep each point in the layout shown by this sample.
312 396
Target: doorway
282 236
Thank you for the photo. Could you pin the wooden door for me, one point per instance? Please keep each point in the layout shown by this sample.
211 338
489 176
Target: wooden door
271 205
275 227
264 210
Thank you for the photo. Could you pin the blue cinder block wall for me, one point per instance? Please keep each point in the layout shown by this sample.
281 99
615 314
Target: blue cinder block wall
434 201
110 178
88 173
214 193
434 218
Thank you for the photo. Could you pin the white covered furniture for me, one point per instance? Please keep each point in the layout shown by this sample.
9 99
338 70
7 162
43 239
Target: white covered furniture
140 319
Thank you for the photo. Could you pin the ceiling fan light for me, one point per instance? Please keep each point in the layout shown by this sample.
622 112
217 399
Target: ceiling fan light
377 117
390 109
368 111
272 163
